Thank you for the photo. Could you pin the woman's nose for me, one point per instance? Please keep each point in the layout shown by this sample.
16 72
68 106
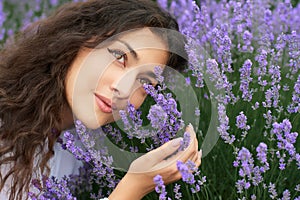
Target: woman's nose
124 85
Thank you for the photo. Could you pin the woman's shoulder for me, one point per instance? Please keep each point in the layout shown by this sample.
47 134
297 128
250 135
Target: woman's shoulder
63 163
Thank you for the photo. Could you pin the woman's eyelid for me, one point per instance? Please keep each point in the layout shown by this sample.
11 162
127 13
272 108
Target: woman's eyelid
148 79
120 52
116 51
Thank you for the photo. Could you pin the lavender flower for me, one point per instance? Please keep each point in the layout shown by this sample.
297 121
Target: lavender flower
241 121
83 181
220 81
294 107
192 23
248 172
134 149
157 116
158 71
127 125
185 173
169 106
160 188
102 171
261 150
245 157
54 189
2 20
78 152
253 197
274 72
163 4
214 72
272 190
197 112
241 185
262 70
224 125
297 188
133 123
222 45
245 80
247 39
178 194
285 137
53 2
294 53
186 170
255 106
115 135
286 195
185 142
188 81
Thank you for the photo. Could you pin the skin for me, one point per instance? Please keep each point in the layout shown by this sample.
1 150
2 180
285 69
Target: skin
106 73
156 163
115 73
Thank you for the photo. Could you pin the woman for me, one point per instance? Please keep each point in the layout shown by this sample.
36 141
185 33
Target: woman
41 87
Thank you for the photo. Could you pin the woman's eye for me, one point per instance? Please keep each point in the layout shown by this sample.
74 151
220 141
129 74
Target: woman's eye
144 81
118 54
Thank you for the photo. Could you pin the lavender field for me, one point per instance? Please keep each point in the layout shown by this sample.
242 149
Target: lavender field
244 69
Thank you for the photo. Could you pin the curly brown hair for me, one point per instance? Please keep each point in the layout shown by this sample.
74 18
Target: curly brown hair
32 73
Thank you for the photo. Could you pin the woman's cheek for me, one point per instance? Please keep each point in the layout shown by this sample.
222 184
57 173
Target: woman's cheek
138 97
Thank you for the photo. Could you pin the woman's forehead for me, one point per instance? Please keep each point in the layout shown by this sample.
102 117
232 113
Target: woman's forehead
142 39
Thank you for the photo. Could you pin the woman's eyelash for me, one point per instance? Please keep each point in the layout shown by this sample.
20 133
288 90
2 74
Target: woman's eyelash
118 54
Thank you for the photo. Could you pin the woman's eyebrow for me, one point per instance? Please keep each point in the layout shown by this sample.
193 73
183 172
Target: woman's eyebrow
132 52
151 74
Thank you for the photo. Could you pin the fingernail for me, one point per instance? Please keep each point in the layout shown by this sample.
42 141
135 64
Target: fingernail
200 153
176 142
191 126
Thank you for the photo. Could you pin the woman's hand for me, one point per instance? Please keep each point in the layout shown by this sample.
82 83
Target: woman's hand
139 179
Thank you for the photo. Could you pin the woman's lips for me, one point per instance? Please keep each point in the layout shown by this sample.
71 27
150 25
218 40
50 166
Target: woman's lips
103 103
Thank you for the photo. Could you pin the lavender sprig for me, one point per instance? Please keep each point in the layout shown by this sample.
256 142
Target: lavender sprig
160 188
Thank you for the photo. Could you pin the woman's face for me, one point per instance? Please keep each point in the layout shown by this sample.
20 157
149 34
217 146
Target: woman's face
101 81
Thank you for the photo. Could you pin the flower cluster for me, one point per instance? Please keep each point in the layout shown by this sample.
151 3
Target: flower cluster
224 125
294 107
160 187
15 15
97 168
250 173
245 78
170 121
244 65
52 189
163 116
285 143
245 55
187 169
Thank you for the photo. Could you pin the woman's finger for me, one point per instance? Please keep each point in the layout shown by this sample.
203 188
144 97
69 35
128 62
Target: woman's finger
198 161
190 151
169 148
158 155
198 157
195 157
167 154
